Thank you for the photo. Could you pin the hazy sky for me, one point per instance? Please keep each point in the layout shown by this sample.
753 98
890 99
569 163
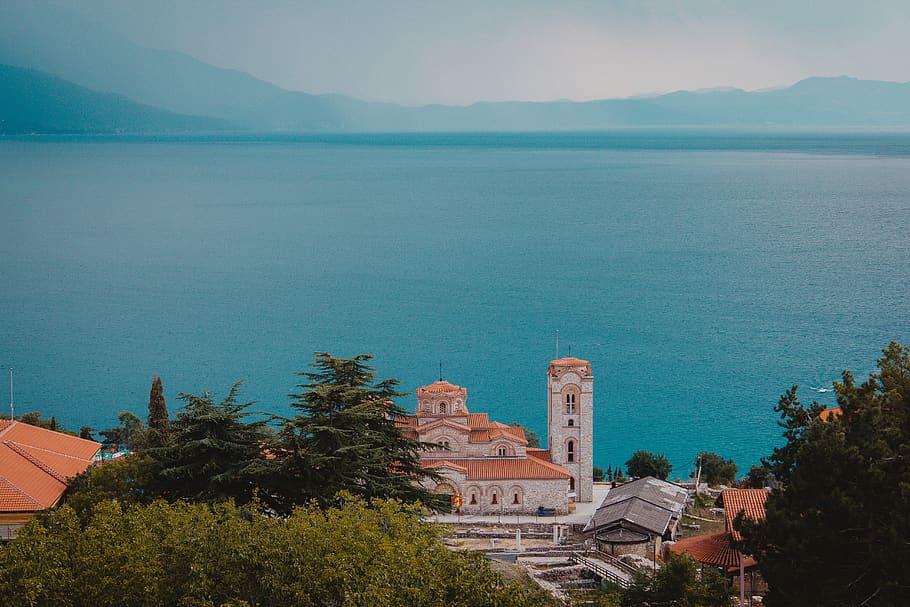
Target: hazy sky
461 51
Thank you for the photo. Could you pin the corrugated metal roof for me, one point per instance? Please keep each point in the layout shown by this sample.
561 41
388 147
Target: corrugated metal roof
647 502
660 493
634 511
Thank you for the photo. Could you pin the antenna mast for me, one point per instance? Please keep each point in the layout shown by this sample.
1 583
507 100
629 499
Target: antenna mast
440 369
12 416
557 344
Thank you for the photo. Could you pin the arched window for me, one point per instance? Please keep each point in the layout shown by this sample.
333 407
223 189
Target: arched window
473 499
570 451
442 407
515 498
501 450
570 402
446 444
493 500
571 422
572 483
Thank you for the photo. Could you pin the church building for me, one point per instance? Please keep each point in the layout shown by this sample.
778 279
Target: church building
488 466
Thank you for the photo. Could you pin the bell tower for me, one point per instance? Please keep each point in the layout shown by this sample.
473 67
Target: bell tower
570 430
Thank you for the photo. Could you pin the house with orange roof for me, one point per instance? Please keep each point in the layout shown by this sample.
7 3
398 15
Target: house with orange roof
488 467
716 550
36 466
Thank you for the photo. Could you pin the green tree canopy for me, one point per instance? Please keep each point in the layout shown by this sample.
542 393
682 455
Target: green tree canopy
159 425
377 554
212 451
644 463
530 435
344 439
715 469
679 584
837 523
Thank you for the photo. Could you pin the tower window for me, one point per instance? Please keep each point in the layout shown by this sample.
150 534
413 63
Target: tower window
442 407
570 403
571 423
570 451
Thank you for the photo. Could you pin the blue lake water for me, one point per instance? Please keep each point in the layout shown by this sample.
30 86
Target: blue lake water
701 273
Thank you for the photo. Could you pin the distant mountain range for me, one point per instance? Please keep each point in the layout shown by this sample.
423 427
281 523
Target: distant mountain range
63 74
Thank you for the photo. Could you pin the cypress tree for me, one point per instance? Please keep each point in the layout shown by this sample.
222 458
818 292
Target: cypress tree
158 423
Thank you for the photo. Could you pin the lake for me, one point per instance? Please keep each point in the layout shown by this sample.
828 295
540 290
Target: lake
701 273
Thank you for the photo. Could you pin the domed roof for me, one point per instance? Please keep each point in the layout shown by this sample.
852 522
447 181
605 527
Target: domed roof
441 387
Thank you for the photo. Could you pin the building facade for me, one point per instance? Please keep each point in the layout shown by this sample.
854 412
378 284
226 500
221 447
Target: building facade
489 466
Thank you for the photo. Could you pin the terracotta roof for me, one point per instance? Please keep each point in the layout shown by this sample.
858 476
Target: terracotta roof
749 501
506 468
512 433
443 421
478 420
405 421
36 465
711 549
827 414
542 454
562 364
441 387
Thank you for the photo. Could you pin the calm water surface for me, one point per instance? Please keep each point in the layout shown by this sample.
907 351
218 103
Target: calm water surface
701 274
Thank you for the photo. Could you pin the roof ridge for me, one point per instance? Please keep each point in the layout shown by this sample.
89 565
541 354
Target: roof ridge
34 460
11 423
19 490
46 450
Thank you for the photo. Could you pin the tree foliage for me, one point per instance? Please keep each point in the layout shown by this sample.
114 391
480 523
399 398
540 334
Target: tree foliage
644 463
129 435
758 477
344 439
715 469
159 425
125 479
378 554
837 524
212 451
678 583
530 435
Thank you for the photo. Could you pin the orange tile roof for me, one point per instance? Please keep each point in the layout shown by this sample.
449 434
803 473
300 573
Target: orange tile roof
36 465
561 364
749 501
827 414
711 549
506 468
542 454
478 420
441 387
